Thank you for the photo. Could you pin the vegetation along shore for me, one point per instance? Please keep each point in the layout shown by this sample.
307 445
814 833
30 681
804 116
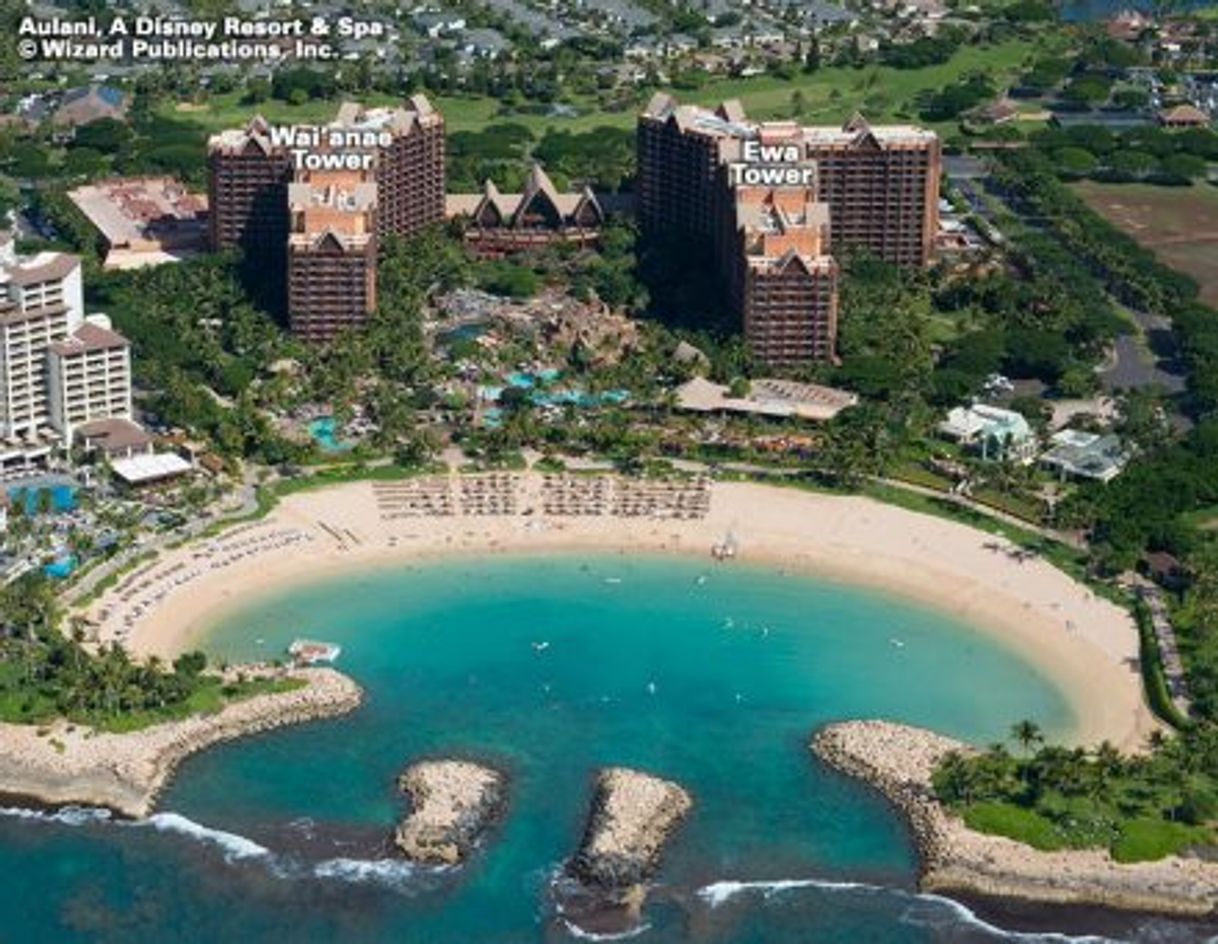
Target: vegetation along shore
62 763
915 769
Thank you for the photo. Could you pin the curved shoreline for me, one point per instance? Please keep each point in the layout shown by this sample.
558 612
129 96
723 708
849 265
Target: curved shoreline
63 764
1086 645
898 760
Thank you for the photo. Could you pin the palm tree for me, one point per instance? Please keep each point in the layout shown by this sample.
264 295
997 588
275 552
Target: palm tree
1026 733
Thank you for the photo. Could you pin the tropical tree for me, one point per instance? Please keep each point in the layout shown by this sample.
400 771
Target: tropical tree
1026 734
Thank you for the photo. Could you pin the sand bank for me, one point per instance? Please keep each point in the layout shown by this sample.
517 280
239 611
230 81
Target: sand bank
63 764
898 761
1085 644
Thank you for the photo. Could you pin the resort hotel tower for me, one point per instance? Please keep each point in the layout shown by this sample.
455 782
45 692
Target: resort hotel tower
774 201
331 252
62 373
252 173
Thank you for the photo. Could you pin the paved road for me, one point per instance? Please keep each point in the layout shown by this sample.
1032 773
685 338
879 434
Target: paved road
1169 650
1146 359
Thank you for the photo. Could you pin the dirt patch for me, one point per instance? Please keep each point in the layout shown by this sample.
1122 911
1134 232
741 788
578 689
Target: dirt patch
1179 223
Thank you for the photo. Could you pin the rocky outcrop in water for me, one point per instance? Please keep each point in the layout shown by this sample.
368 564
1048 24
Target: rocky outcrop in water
899 760
453 803
632 816
64 764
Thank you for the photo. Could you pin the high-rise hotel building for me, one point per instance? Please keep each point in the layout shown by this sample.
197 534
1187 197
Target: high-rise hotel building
247 189
60 370
251 174
331 253
783 278
409 171
858 186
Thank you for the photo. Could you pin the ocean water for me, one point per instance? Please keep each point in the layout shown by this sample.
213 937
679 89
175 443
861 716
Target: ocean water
714 675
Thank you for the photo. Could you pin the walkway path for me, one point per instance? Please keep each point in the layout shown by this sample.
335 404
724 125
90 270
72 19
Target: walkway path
1169 650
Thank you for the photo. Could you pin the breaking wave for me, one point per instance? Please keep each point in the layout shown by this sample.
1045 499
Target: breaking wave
66 816
391 872
576 931
235 847
922 910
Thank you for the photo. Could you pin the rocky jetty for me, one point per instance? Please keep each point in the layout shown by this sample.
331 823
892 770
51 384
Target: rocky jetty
899 760
632 815
603 888
453 802
62 764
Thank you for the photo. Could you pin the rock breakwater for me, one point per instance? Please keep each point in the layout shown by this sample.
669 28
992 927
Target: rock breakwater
63 764
632 817
453 803
899 761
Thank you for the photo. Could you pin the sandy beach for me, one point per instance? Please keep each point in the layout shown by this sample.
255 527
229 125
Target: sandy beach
1085 644
898 760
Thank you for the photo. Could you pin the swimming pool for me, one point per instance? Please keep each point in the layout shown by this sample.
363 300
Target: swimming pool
324 431
572 396
60 569
63 497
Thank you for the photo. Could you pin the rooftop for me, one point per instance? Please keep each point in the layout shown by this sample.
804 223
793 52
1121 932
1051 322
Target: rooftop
144 214
89 337
729 120
114 435
1081 454
43 267
338 203
774 398
141 470
971 422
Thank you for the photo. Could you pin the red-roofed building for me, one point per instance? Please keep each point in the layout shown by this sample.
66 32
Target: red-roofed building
1180 117
503 223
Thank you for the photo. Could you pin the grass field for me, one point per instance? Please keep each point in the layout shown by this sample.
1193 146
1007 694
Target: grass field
829 95
1134 840
1179 223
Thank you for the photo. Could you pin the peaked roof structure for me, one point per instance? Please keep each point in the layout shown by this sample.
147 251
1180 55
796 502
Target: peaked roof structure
538 204
728 121
254 138
400 120
1185 114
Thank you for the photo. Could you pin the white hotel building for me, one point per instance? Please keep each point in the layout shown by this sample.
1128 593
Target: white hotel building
59 370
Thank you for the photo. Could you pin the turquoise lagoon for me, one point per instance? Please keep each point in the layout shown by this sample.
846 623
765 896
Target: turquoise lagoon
712 675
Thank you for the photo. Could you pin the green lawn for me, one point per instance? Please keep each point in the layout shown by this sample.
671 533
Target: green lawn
23 704
880 92
830 95
1137 840
1142 840
1014 822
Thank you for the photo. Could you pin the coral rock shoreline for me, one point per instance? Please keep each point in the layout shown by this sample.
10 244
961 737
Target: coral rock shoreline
453 803
62 764
898 761
632 815
603 888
